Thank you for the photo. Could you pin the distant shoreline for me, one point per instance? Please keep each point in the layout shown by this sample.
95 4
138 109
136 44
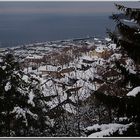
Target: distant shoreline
54 41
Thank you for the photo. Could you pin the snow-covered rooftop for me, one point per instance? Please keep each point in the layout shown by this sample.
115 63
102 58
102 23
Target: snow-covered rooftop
34 57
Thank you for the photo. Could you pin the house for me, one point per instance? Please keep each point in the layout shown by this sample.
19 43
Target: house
67 70
72 90
52 74
105 54
88 61
33 60
96 80
111 74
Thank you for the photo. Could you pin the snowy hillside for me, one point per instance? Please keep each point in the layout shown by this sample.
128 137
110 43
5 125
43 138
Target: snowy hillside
70 72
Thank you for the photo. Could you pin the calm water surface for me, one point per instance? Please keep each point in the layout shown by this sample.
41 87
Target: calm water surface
19 29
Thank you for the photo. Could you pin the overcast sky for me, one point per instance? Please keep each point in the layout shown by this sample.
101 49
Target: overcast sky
60 7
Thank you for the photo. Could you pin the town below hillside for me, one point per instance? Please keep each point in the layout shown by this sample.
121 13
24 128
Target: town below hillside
71 71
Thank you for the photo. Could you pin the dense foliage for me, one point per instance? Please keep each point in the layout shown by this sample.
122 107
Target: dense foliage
127 38
21 105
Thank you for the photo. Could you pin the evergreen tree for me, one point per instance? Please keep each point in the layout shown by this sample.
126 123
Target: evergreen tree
127 38
22 105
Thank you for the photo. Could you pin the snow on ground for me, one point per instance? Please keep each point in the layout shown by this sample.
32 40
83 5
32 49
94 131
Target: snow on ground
107 129
108 39
134 92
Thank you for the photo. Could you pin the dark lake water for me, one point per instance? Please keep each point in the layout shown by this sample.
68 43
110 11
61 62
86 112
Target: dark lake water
16 29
